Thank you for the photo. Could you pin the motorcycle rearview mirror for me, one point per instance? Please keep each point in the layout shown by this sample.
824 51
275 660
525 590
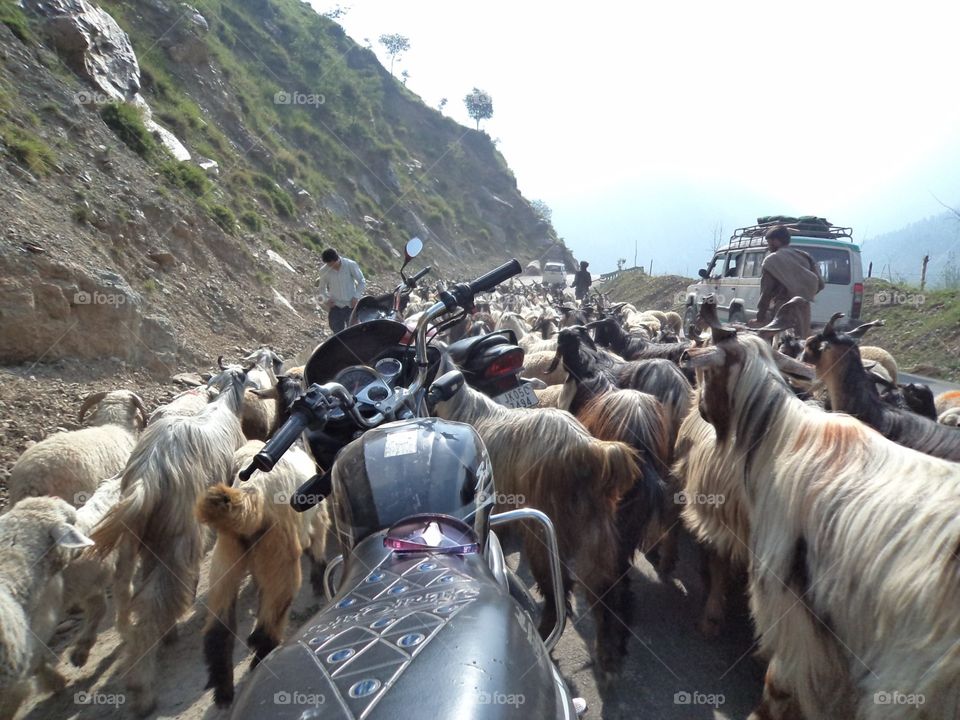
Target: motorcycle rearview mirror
412 249
445 387
702 272
312 492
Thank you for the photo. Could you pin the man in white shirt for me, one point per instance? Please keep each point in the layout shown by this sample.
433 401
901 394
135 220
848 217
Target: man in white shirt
341 285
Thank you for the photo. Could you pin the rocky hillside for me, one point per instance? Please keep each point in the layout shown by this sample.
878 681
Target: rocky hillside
168 174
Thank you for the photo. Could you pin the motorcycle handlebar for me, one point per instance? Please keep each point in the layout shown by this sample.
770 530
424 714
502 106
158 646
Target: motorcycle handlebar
278 444
412 282
496 276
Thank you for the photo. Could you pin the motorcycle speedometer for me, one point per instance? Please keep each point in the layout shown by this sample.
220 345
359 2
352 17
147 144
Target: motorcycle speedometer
432 532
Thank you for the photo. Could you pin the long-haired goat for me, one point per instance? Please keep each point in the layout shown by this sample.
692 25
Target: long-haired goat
608 333
837 359
71 465
258 534
174 461
546 459
853 542
637 419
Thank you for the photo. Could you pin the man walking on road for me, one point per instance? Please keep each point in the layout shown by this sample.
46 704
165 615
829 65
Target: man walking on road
341 285
582 280
787 272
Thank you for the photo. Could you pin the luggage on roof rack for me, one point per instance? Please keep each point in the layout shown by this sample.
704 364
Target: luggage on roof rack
805 225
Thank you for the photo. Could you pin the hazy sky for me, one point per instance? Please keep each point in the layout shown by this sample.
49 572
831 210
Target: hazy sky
844 109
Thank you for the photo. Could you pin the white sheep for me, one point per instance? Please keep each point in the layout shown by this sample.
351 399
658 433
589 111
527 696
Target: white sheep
258 534
538 365
153 523
70 465
37 536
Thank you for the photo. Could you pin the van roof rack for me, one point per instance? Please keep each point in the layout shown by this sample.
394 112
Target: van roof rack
805 225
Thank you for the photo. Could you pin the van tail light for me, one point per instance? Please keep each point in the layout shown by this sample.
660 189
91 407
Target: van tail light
857 301
508 363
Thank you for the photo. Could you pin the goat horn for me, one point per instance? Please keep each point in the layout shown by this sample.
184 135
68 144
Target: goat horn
829 330
788 365
708 313
138 402
861 330
780 320
88 402
553 364
220 362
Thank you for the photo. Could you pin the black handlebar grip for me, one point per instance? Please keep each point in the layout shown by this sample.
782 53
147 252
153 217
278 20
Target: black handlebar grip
412 282
496 276
278 444
312 492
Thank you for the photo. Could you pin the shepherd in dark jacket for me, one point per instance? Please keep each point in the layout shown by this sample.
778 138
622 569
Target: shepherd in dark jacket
582 281
787 273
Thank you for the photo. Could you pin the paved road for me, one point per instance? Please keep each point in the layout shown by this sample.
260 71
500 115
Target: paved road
938 386
668 660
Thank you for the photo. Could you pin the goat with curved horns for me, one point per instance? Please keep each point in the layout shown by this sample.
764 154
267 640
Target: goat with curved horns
854 546
852 390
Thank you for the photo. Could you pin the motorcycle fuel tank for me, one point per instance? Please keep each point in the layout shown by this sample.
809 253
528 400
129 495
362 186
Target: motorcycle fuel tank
424 465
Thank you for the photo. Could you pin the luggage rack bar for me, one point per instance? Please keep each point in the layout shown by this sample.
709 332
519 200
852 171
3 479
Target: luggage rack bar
752 235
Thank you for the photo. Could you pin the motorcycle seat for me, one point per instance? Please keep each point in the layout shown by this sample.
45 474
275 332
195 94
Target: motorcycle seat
464 352
418 635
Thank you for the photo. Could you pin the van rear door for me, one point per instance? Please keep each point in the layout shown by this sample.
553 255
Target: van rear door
838 272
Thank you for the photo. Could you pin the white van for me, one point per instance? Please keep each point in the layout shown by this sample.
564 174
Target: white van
554 273
733 275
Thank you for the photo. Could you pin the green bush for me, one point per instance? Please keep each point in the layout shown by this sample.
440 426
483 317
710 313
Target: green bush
125 120
13 17
251 220
80 215
224 217
27 149
186 175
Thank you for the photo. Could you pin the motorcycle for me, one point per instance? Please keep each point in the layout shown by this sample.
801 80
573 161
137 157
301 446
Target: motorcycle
491 363
424 592
390 306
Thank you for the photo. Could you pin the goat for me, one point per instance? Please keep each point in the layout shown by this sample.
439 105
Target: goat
632 347
641 421
85 578
175 459
70 465
258 533
946 401
853 545
852 391
546 459
540 365
37 536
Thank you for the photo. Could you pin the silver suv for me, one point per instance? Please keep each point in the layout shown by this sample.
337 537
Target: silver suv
733 275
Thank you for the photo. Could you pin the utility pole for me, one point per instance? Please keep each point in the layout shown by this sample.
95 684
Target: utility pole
923 272
634 252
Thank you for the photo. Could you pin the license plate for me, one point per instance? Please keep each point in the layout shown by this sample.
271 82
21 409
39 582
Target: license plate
519 397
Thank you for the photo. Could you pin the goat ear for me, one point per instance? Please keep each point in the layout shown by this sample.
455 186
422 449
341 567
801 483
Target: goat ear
267 393
66 535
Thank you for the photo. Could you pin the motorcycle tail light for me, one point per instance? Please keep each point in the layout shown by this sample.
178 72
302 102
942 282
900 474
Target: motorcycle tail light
857 300
508 363
432 532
